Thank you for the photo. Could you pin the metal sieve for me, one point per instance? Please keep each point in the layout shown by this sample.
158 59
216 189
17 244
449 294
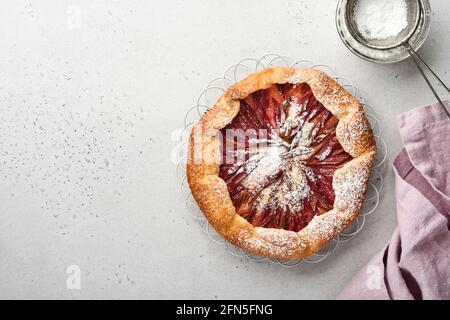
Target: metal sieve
413 18
415 10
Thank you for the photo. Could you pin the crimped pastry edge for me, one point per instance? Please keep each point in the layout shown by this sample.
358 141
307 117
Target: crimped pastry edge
349 182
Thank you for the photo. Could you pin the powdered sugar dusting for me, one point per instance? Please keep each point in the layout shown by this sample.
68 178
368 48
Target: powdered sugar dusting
353 135
300 189
324 154
269 164
350 187
289 192
262 238
274 242
300 145
324 226
381 19
280 156
296 77
284 186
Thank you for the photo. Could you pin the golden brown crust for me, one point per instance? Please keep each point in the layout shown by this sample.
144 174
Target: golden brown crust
349 182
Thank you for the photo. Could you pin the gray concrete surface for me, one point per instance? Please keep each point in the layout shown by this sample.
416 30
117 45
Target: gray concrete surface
90 92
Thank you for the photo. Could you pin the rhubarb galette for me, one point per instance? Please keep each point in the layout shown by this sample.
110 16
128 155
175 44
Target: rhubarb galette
280 164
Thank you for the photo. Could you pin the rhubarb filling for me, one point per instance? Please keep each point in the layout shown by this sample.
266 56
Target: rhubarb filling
279 156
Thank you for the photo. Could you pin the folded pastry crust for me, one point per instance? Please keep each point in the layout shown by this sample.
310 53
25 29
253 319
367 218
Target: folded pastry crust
349 181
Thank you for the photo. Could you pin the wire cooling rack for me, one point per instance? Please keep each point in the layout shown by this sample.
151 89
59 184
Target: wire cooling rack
207 98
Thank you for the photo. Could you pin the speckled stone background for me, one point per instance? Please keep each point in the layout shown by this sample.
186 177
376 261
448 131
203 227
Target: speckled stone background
90 93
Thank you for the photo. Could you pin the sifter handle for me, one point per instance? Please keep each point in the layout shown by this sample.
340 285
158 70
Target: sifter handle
417 60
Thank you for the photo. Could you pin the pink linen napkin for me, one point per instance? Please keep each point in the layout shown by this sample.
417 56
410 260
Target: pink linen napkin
416 262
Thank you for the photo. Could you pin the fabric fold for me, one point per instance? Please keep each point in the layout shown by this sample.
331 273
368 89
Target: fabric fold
416 262
426 136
